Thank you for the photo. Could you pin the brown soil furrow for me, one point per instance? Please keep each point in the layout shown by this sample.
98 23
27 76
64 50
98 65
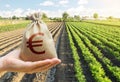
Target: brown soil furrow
9 43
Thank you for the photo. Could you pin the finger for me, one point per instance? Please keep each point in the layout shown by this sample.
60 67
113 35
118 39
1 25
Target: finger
42 65
56 60
39 69
46 67
44 62
39 63
42 69
53 63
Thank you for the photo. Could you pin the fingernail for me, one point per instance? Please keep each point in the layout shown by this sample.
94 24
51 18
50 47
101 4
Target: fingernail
59 60
48 60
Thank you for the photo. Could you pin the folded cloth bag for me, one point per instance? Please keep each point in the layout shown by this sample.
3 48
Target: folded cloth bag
37 42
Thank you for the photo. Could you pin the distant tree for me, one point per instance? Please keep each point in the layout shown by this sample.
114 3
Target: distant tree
70 19
77 17
0 17
95 15
110 17
44 16
27 18
65 16
56 19
14 17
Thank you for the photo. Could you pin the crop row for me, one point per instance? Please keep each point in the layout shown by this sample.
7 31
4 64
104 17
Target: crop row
95 67
111 46
91 43
79 73
109 65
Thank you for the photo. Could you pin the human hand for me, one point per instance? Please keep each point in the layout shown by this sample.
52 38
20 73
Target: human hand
12 62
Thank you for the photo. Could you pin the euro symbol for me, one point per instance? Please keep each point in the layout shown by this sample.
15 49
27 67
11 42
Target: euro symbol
37 43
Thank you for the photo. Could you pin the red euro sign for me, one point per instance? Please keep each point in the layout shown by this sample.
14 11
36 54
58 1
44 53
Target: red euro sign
37 43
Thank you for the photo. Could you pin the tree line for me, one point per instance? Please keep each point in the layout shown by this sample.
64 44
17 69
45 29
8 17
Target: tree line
65 17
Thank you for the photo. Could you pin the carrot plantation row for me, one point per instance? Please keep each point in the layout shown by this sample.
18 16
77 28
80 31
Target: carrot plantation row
99 47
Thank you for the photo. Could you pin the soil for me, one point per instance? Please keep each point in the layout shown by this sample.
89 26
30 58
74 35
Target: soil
65 71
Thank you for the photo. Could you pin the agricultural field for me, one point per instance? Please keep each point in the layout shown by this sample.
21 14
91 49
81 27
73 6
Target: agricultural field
11 40
9 25
96 51
109 22
89 52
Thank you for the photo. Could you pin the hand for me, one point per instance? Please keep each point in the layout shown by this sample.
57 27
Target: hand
12 62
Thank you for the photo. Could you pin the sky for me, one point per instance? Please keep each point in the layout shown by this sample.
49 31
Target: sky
55 8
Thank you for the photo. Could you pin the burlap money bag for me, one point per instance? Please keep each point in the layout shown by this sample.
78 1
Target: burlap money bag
37 43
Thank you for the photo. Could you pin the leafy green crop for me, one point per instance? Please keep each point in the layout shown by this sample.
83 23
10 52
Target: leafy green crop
97 43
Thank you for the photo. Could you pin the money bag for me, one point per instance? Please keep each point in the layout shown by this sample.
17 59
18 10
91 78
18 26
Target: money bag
37 42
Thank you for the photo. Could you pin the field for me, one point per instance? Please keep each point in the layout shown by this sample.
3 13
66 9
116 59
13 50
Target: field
96 51
12 39
109 22
89 51
9 25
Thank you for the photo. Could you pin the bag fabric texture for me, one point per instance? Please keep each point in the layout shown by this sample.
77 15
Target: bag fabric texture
37 43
